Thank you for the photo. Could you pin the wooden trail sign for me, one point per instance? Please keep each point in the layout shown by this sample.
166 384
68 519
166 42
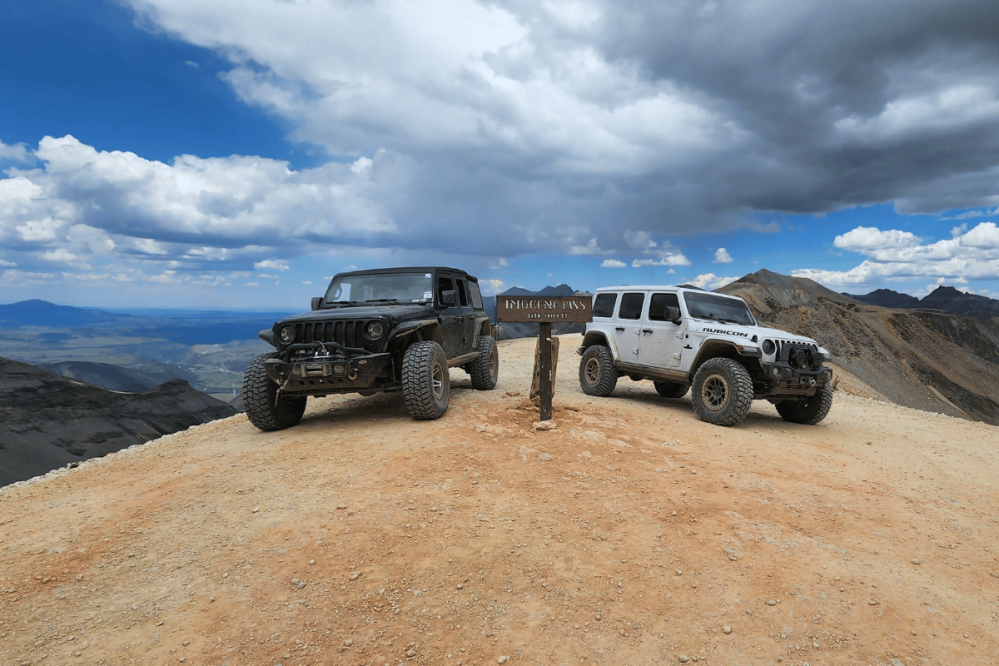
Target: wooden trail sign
551 309
545 310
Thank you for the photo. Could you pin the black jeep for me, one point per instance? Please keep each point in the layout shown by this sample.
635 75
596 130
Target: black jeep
377 330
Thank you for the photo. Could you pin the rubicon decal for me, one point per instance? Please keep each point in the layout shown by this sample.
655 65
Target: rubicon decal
724 332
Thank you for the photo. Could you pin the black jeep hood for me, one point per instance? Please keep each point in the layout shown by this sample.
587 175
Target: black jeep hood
394 314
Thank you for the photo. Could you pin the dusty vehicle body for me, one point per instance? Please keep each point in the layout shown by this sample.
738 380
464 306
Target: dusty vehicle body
383 330
684 337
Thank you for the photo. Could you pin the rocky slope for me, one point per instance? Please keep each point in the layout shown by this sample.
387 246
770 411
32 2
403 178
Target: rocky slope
631 534
928 360
47 421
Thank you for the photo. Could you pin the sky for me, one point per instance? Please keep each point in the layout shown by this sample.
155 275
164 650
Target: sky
236 154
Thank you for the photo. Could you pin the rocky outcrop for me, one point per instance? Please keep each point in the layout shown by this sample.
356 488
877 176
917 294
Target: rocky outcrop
48 421
906 355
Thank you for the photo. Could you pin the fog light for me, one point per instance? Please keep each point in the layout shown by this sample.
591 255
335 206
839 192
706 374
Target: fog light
338 368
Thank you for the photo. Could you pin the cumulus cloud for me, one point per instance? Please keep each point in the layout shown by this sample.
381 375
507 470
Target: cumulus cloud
271 264
899 255
585 127
667 259
17 153
612 263
722 256
710 281
640 112
492 287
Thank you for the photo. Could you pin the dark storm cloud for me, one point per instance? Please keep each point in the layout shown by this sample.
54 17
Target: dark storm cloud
568 126
810 80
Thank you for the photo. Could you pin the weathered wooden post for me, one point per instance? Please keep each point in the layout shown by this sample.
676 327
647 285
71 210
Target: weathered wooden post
544 310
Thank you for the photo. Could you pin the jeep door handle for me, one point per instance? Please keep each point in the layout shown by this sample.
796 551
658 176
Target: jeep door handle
647 330
459 318
619 328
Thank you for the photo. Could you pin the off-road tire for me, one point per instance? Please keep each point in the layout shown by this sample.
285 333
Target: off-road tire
259 394
671 389
597 374
426 382
485 369
809 411
722 392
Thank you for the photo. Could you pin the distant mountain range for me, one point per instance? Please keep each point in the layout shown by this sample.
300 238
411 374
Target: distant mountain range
50 315
186 328
48 421
943 298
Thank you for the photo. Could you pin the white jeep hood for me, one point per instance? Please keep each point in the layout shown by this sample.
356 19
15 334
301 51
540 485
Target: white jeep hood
743 335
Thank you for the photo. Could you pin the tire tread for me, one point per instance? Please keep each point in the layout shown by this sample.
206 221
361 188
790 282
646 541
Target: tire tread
258 399
417 366
480 369
740 387
807 412
608 373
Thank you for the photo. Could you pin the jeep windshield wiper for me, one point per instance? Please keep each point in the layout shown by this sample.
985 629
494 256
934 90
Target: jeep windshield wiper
730 321
382 300
341 302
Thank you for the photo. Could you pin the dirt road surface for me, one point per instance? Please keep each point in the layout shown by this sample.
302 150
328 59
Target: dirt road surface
631 534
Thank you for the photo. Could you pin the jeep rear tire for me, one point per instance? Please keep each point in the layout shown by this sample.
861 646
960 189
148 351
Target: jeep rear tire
426 381
809 411
263 408
671 389
722 392
597 374
485 369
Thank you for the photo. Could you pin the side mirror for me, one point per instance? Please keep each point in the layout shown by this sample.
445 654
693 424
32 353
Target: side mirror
449 298
317 302
672 314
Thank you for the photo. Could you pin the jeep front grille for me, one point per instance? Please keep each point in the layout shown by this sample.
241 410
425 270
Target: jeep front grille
799 355
346 333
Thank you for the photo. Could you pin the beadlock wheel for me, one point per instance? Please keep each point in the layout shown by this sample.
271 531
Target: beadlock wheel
714 393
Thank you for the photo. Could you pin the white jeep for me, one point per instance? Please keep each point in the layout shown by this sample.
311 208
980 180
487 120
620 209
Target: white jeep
683 337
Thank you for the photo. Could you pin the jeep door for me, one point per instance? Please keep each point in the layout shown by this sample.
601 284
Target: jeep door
628 326
452 319
662 340
467 315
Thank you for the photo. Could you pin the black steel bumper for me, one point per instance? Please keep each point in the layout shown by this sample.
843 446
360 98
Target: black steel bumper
785 375
358 372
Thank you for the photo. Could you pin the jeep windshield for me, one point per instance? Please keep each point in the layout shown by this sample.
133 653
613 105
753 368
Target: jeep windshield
380 288
727 310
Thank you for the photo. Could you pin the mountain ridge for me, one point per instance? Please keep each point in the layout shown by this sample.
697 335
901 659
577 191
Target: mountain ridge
48 421
946 298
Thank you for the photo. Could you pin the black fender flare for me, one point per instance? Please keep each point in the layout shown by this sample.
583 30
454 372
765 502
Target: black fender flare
599 338
267 335
721 349
428 329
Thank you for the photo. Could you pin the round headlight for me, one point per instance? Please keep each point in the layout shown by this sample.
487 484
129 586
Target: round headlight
375 330
287 334
769 347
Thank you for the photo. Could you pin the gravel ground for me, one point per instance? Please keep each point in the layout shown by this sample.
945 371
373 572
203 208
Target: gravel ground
632 533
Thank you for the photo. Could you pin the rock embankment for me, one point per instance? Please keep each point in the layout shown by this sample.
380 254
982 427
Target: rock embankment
631 533
48 421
